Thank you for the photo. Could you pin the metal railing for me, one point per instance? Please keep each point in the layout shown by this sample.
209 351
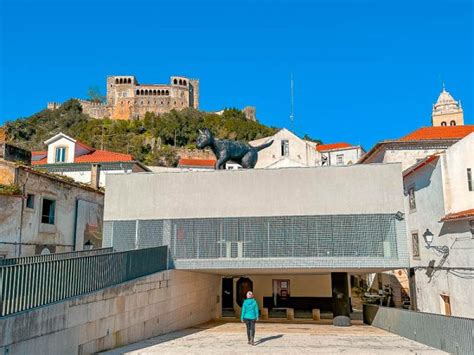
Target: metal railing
452 334
55 256
26 286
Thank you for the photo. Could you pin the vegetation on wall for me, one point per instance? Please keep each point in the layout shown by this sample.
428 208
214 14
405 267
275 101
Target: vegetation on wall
153 140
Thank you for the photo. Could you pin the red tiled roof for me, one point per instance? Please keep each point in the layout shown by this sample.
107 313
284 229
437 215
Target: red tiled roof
458 215
324 147
197 162
42 152
97 156
448 132
102 156
420 164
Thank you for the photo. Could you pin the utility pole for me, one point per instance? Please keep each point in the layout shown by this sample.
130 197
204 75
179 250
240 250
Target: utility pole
292 103
102 139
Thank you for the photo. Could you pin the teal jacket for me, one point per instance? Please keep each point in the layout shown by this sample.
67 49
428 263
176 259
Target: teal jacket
249 309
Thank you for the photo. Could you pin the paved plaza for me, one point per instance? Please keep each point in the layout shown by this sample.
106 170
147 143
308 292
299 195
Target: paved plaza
281 338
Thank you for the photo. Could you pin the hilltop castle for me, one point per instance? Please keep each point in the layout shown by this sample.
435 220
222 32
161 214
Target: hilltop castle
128 99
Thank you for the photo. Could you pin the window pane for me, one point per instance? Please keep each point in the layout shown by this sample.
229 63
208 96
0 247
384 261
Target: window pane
416 245
47 213
30 201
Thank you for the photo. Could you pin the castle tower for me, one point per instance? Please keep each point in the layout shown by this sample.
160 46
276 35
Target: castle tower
447 111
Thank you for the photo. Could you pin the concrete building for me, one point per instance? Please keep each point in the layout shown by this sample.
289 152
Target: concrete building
339 154
279 232
41 213
447 111
439 198
416 145
70 157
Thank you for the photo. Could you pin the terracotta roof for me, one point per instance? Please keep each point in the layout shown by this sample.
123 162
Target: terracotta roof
420 164
97 156
432 133
324 147
42 152
103 156
458 215
208 163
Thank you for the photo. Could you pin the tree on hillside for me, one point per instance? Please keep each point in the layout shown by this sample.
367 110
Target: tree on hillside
94 95
306 137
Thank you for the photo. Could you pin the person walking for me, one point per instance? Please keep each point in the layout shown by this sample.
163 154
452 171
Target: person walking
250 315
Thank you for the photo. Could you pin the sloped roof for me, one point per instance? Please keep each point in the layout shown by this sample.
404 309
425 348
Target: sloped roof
97 156
420 164
331 146
441 132
458 215
191 162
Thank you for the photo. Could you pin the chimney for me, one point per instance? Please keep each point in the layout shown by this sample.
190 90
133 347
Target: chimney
95 176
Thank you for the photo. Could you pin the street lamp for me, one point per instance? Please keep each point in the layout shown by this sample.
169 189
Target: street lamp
428 237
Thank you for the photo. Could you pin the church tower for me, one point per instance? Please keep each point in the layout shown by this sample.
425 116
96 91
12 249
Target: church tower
447 111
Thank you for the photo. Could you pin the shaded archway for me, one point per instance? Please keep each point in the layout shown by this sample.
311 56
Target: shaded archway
244 284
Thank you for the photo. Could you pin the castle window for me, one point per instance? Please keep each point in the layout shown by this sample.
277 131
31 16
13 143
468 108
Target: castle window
154 92
175 81
443 123
158 92
162 102
180 82
146 92
116 81
129 80
162 92
452 123
138 92
184 82
142 92
167 92
121 81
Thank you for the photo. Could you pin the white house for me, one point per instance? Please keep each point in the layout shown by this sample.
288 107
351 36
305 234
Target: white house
339 153
416 145
439 194
70 157
287 150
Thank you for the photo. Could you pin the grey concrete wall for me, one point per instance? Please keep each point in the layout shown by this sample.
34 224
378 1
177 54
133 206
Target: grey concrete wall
115 316
238 193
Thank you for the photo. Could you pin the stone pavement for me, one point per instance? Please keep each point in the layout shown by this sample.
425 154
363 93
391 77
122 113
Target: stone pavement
281 338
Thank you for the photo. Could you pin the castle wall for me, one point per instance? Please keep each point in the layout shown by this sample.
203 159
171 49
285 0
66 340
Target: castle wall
127 99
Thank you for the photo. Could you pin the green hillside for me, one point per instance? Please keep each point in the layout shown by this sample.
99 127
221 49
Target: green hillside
152 140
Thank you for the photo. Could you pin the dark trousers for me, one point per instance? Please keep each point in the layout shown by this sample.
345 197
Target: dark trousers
250 324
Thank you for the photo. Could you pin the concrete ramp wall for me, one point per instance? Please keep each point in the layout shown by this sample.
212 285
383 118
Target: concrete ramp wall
116 316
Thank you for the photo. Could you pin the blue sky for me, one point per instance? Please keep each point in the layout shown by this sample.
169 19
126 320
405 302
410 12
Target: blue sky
364 70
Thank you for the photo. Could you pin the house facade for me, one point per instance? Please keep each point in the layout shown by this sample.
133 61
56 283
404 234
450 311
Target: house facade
70 157
339 154
42 213
279 232
439 200
416 145
287 150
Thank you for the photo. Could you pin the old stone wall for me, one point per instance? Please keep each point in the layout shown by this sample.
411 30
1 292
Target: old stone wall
32 233
113 317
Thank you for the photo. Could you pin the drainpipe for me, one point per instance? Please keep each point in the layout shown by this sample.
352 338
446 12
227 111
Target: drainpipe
23 191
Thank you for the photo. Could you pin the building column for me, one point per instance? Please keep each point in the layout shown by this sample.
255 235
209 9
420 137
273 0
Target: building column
340 299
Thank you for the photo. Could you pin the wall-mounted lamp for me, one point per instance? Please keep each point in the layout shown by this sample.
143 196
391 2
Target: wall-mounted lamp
428 237
399 216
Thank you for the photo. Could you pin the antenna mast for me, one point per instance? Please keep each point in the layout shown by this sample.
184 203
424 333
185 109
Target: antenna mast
292 102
